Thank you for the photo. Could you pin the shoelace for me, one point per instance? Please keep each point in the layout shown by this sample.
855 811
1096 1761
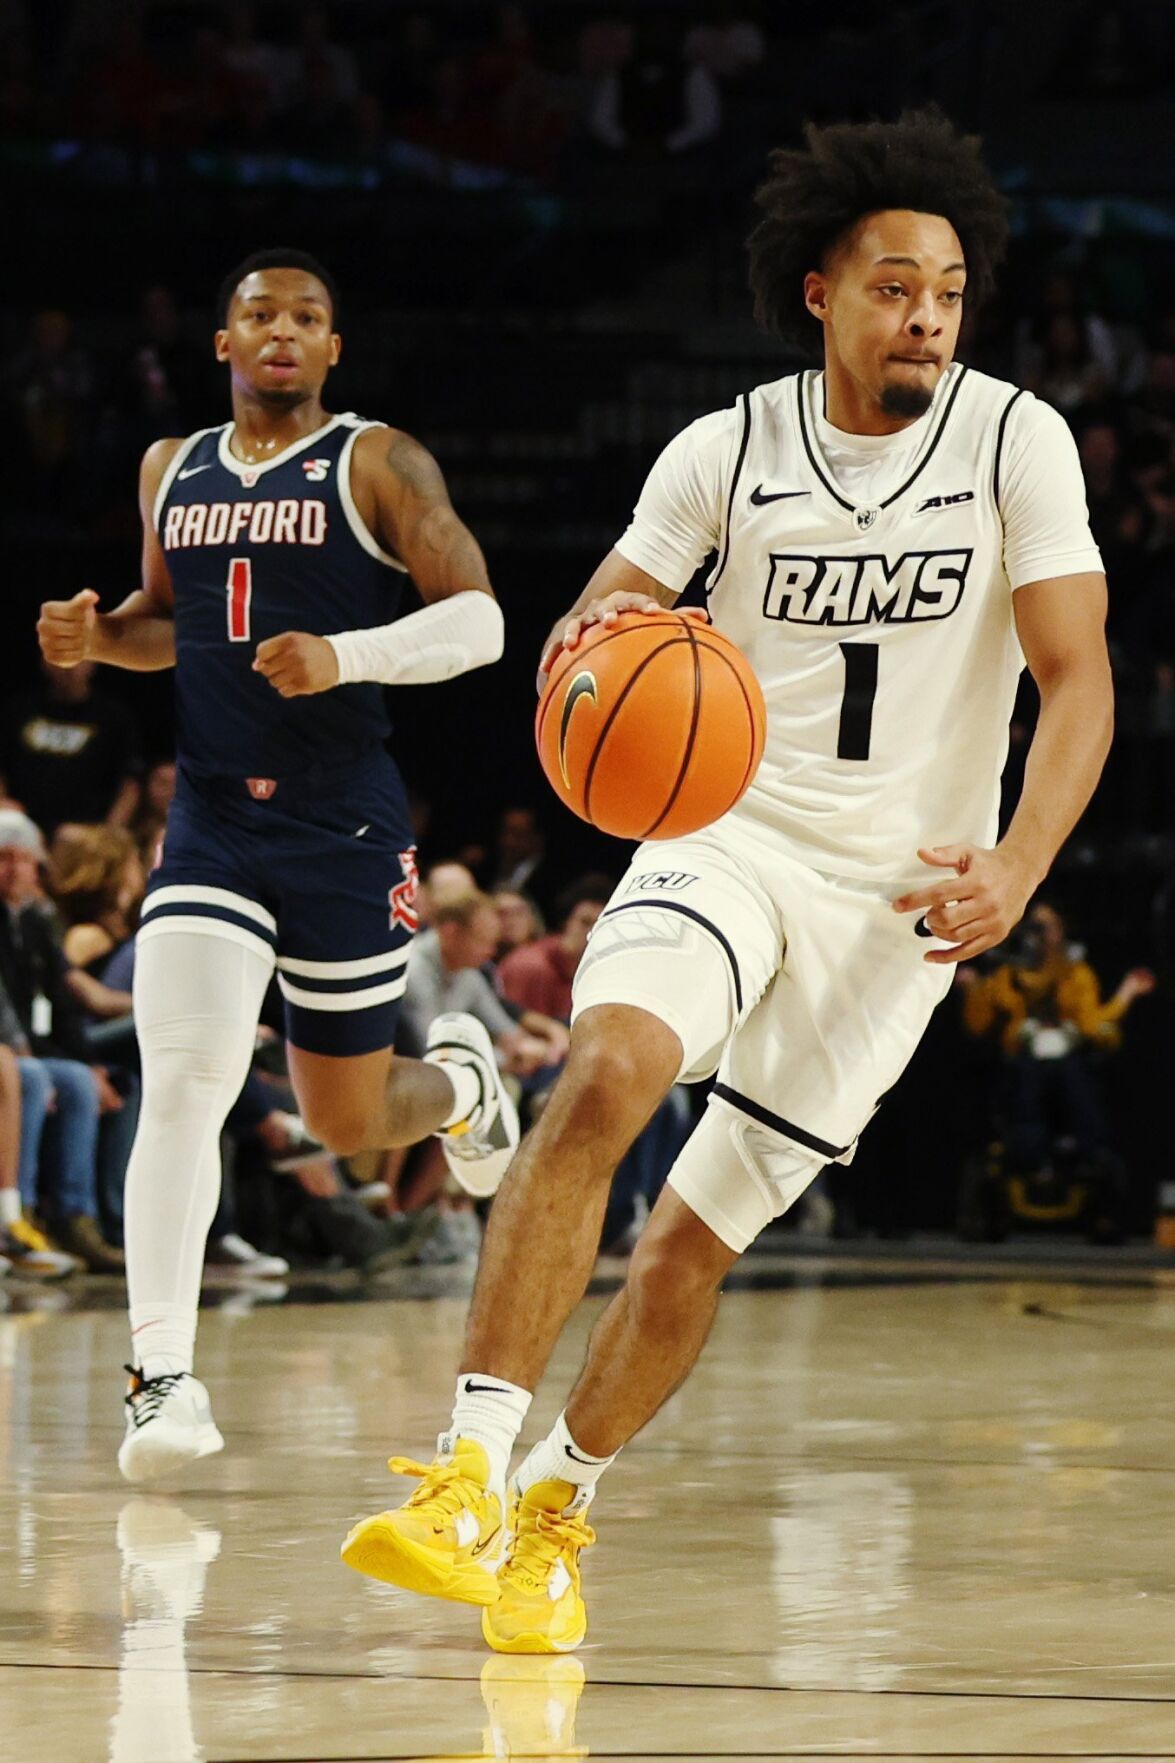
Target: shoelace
539 1541
147 1394
443 1486
29 1237
462 1130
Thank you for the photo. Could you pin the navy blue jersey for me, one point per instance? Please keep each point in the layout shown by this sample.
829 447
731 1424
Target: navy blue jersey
255 550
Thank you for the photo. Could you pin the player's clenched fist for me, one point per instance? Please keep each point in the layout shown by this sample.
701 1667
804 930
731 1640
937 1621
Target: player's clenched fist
296 664
65 629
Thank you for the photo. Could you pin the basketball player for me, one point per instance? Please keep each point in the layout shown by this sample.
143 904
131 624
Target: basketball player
273 552
894 537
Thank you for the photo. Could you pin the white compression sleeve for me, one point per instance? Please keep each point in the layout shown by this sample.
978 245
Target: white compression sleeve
197 1000
439 642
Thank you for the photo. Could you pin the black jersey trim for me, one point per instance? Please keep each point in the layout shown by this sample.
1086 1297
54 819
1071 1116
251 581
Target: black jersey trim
745 400
999 448
814 461
777 1123
698 918
802 381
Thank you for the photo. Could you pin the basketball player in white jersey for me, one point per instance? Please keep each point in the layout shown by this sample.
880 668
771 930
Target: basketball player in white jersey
895 537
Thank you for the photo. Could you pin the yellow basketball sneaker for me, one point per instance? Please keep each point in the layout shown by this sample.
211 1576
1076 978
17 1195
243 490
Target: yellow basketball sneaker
539 1607
531 1704
445 1541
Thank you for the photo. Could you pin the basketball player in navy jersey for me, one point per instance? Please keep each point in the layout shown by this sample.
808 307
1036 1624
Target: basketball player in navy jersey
274 550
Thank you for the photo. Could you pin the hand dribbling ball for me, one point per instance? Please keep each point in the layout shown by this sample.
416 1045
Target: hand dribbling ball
651 727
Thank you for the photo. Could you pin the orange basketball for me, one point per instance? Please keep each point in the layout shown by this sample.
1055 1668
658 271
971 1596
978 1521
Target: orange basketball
651 727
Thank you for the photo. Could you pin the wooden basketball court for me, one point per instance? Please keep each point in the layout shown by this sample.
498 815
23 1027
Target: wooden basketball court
905 1509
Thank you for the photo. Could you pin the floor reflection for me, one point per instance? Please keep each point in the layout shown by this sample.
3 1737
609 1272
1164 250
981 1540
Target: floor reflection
165 1558
531 1706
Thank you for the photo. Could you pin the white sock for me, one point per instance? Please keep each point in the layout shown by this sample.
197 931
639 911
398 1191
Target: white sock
491 1411
163 1337
466 1089
10 1208
559 1458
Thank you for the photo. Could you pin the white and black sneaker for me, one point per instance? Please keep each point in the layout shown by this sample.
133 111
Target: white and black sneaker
168 1423
232 1254
479 1148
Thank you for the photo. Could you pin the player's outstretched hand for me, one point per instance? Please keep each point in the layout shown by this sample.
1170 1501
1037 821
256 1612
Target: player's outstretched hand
977 906
65 629
297 664
605 611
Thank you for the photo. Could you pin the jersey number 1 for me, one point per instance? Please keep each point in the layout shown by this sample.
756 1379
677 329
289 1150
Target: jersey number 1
856 710
240 599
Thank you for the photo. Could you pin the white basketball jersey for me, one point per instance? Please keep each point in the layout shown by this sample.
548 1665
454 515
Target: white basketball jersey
882 632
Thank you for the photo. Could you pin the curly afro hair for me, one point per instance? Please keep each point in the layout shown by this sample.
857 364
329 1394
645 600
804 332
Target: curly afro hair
815 195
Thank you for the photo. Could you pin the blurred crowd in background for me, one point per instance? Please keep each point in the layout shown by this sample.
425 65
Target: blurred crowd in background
70 894
536 213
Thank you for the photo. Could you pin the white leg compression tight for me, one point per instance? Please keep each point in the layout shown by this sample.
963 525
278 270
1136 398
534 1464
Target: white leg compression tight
197 1001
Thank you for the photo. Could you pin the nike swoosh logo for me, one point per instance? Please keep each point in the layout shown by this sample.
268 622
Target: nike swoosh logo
761 498
477 1389
365 828
922 929
582 686
588 1462
192 471
480 1548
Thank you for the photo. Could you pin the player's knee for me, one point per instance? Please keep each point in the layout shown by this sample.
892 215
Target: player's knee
343 1129
619 1068
674 1270
180 1080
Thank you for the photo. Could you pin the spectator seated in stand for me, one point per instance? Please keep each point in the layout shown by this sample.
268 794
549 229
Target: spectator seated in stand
519 921
24 1248
538 975
97 883
1047 1010
443 974
657 102
68 752
519 859
63 1095
150 817
50 384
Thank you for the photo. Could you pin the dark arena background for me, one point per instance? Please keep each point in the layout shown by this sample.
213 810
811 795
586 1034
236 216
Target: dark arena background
917 1500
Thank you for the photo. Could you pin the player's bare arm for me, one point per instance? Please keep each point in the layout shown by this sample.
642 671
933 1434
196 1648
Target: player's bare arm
1061 627
139 634
401 497
400 492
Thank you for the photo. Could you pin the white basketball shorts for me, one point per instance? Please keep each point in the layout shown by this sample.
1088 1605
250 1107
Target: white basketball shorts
805 992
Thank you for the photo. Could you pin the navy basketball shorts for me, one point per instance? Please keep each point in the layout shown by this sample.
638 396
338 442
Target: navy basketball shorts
317 873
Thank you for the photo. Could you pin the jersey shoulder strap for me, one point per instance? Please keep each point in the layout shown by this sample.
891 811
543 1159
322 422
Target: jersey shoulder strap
178 459
358 425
